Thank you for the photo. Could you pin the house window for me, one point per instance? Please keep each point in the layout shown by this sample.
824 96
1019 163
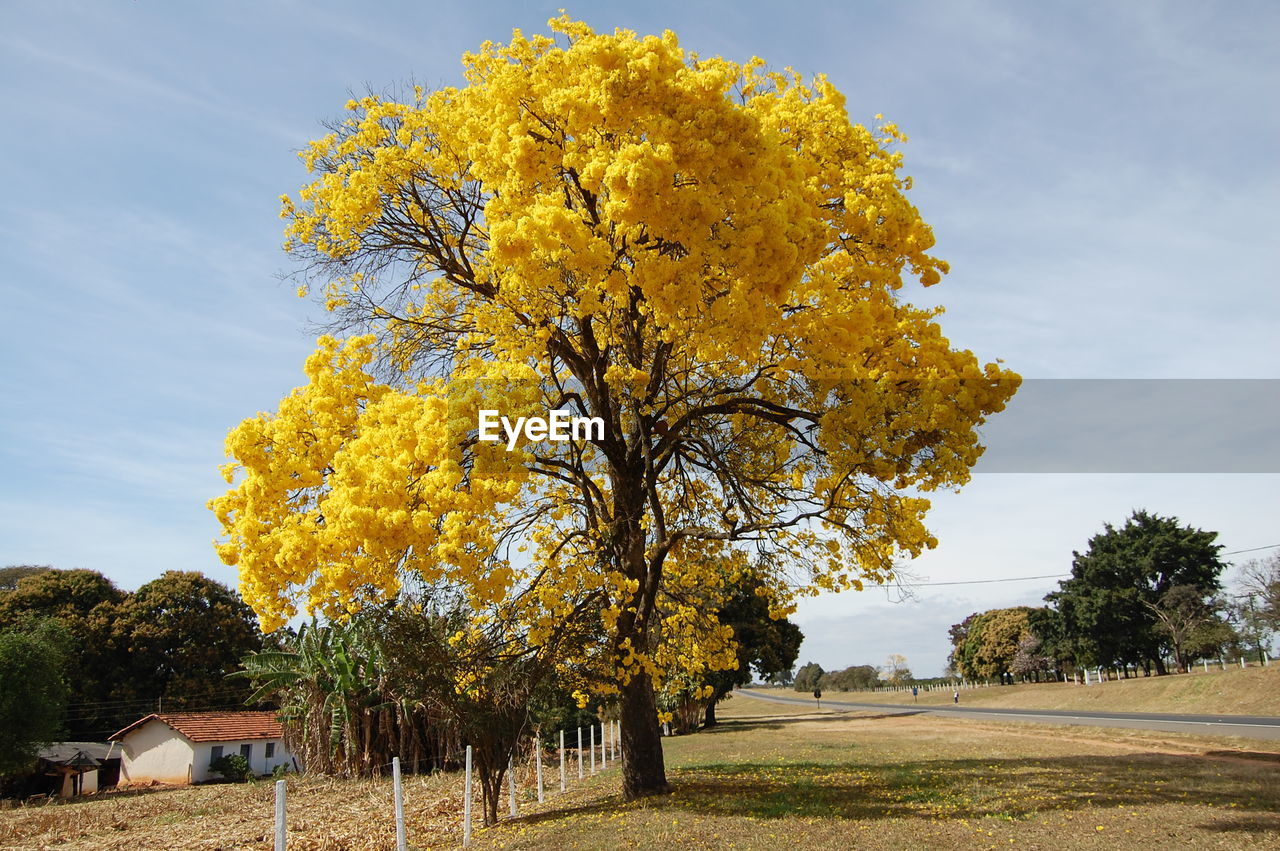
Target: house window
215 753
246 751
271 749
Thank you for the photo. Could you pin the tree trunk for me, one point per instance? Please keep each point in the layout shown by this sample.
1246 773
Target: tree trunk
644 772
709 719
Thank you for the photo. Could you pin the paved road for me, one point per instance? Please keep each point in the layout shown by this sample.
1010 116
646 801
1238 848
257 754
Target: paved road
1250 726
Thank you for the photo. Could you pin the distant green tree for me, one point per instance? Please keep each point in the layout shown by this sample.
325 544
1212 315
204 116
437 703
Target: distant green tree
1106 605
33 691
852 678
808 677
85 604
766 646
175 638
185 633
959 634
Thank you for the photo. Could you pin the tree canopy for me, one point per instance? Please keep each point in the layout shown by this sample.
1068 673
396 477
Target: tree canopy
184 634
175 638
33 691
1108 608
988 643
706 257
766 646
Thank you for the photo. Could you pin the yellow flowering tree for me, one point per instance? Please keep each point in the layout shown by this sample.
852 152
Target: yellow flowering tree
706 256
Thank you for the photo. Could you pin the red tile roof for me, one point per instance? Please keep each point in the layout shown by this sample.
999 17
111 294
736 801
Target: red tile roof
214 726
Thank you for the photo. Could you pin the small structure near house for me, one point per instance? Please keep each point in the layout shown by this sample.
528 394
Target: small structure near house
66 769
177 747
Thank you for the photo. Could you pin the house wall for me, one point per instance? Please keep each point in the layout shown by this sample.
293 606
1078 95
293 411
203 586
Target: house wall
155 751
258 762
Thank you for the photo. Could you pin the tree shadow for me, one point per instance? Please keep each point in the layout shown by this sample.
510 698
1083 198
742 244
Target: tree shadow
111 794
1244 824
944 790
781 722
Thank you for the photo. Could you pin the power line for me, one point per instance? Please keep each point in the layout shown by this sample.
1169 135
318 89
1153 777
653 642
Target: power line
1028 578
1252 550
972 581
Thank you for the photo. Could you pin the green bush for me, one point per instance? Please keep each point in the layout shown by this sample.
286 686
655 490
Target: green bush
232 766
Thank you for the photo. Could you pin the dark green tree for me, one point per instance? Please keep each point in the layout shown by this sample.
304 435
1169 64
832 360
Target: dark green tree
33 691
766 646
808 677
85 604
184 633
1106 605
851 679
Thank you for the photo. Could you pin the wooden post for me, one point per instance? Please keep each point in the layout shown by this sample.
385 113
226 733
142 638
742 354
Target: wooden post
537 756
604 751
591 731
580 753
401 844
281 834
511 785
466 803
562 786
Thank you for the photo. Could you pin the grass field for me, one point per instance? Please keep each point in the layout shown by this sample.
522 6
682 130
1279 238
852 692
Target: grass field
764 780
1248 691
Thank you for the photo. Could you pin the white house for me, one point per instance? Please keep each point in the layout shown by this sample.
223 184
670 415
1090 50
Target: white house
178 747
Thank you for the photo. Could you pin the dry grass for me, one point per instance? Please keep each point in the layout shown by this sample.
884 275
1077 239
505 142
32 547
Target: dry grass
1249 691
323 814
764 780
884 781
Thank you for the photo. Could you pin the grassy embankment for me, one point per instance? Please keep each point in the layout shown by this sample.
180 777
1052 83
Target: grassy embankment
1249 691
768 777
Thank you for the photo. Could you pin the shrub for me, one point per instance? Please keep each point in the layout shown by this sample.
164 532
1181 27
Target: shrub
233 767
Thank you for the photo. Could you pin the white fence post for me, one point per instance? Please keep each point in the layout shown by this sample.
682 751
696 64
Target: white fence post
617 734
280 828
466 803
592 735
511 785
401 843
580 753
1241 662
1206 665
562 786
537 755
604 750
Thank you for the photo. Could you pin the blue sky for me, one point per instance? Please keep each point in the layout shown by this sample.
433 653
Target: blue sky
1103 178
